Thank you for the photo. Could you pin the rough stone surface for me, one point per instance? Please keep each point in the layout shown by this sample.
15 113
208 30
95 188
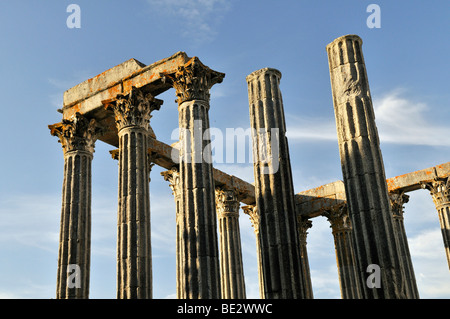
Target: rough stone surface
134 259
199 268
77 137
231 266
278 235
363 169
398 199
349 280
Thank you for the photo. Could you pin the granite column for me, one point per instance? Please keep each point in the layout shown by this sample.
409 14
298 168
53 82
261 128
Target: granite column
376 246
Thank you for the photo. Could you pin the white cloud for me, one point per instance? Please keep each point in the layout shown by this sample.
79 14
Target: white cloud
310 128
430 264
198 18
399 120
404 121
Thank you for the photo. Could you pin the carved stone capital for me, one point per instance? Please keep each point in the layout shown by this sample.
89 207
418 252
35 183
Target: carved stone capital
193 81
173 177
76 134
439 190
133 109
252 212
397 202
303 225
227 203
339 218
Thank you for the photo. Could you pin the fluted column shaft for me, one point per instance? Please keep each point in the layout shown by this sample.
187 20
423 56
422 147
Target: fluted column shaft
173 177
77 137
252 212
397 202
363 170
280 256
200 272
440 191
349 280
231 266
303 226
134 260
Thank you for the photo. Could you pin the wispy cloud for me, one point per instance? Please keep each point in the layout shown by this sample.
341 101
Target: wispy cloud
198 18
404 121
399 120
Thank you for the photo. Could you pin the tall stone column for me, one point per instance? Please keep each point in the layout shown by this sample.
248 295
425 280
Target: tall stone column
440 191
173 177
345 255
303 225
231 266
280 256
200 270
77 137
376 246
134 260
397 202
252 212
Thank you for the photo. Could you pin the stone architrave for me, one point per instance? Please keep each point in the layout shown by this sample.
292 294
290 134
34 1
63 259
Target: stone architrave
134 260
345 256
274 194
303 225
231 266
440 192
398 199
77 137
200 271
376 247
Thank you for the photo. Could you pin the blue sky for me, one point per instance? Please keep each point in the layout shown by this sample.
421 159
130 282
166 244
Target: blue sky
407 64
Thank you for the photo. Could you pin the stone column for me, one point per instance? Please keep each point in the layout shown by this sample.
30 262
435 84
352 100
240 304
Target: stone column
200 269
77 137
345 255
440 191
173 177
280 256
397 202
134 260
303 225
252 212
231 267
363 171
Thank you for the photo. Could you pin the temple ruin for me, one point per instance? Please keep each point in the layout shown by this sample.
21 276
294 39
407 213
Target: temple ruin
365 210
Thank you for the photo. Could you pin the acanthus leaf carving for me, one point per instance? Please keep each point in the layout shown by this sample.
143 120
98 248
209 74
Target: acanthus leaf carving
193 81
134 108
76 133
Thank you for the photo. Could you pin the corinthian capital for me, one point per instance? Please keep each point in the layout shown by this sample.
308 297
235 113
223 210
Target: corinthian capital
133 109
173 177
227 202
439 190
338 218
193 80
397 202
76 134
252 212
